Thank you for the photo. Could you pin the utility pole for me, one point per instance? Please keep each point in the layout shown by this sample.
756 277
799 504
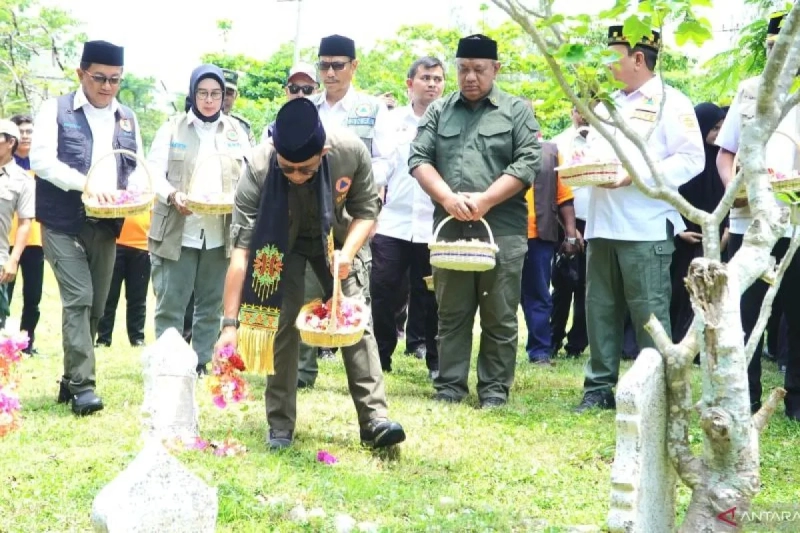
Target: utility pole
297 28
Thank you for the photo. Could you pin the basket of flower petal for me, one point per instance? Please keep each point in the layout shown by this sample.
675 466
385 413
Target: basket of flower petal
428 282
780 182
473 255
339 322
212 203
585 170
126 202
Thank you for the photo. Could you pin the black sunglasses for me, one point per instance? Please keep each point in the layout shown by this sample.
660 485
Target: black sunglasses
324 66
294 89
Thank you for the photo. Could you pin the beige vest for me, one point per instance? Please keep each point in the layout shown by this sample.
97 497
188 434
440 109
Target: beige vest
166 229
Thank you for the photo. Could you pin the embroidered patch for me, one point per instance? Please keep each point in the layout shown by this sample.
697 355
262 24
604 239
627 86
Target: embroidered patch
689 121
647 115
232 135
258 316
343 184
125 125
364 110
267 267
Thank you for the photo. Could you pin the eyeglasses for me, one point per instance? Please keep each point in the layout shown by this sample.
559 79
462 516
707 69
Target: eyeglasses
203 94
101 79
26 131
294 89
305 171
325 66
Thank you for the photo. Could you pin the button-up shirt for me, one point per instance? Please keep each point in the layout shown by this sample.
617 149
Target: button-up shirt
408 212
473 147
17 196
197 229
567 142
676 147
383 143
102 122
780 153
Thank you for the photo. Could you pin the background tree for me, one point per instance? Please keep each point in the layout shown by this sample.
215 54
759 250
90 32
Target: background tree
32 35
140 95
727 473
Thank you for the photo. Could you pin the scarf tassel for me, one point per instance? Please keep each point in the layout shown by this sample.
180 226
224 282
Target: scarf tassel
257 349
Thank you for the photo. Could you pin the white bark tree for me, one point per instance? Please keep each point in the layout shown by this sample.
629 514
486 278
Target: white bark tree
726 475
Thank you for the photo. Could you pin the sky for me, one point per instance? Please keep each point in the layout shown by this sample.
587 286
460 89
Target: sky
260 26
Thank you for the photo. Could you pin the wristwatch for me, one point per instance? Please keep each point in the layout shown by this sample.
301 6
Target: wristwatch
571 240
228 322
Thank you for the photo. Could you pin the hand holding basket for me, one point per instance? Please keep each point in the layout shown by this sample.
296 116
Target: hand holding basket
127 203
470 256
213 204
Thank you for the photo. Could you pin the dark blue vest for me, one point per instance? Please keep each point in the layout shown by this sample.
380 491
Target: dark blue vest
63 210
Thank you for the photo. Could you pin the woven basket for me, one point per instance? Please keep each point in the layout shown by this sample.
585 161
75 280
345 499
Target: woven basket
95 210
201 206
785 185
428 282
589 174
332 337
471 256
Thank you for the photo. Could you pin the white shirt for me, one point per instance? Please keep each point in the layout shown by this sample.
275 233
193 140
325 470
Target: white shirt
779 155
676 147
568 141
102 122
408 212
383 143
197 228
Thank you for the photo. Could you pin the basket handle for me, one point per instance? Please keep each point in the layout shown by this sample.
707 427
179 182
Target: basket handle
138 158
337 289
450 217
736 155
205 160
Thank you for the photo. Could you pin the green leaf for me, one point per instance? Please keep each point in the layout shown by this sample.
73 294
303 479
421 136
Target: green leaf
692 30
575 53
635 28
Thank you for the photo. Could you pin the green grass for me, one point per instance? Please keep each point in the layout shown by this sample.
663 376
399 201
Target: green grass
531 466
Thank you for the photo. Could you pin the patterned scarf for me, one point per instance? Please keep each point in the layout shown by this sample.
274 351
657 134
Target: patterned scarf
262 294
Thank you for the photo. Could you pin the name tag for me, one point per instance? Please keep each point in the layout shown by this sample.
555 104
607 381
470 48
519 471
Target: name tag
177 145
648 115
361 121
71 125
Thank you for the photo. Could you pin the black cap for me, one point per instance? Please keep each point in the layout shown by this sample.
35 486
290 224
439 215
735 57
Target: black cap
477 46
652 41
774 27
337 45
298 135
103 53
231 78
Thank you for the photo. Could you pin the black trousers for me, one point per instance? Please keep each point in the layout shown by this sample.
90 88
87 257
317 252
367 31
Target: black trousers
31 265
132 267
188 318
391 260
567 295
680 309
751 306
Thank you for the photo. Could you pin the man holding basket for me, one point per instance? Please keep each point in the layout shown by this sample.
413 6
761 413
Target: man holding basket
475 154
301 196
77 133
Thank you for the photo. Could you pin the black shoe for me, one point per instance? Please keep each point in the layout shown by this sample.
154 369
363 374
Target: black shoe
755 407
86 402
30 351
573 355
545 361
794 417
305 384
102 344
63 392
280 439
382 432
492 403
419 352
202 370
444 398
137 343
326 354
602 399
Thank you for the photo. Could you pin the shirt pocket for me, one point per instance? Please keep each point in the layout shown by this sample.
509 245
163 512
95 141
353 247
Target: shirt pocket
448 145
495 141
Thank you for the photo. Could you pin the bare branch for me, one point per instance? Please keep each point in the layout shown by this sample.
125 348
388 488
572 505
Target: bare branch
761 418
766 305
782 63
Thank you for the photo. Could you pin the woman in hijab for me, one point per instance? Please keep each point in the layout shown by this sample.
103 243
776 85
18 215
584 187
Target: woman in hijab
704 191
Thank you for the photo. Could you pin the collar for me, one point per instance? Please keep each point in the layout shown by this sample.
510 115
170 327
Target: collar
80 100
5 169
651 88
196 122
346 102
491 97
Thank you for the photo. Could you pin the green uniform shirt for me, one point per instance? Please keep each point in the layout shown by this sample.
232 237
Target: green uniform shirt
471 148
353 191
